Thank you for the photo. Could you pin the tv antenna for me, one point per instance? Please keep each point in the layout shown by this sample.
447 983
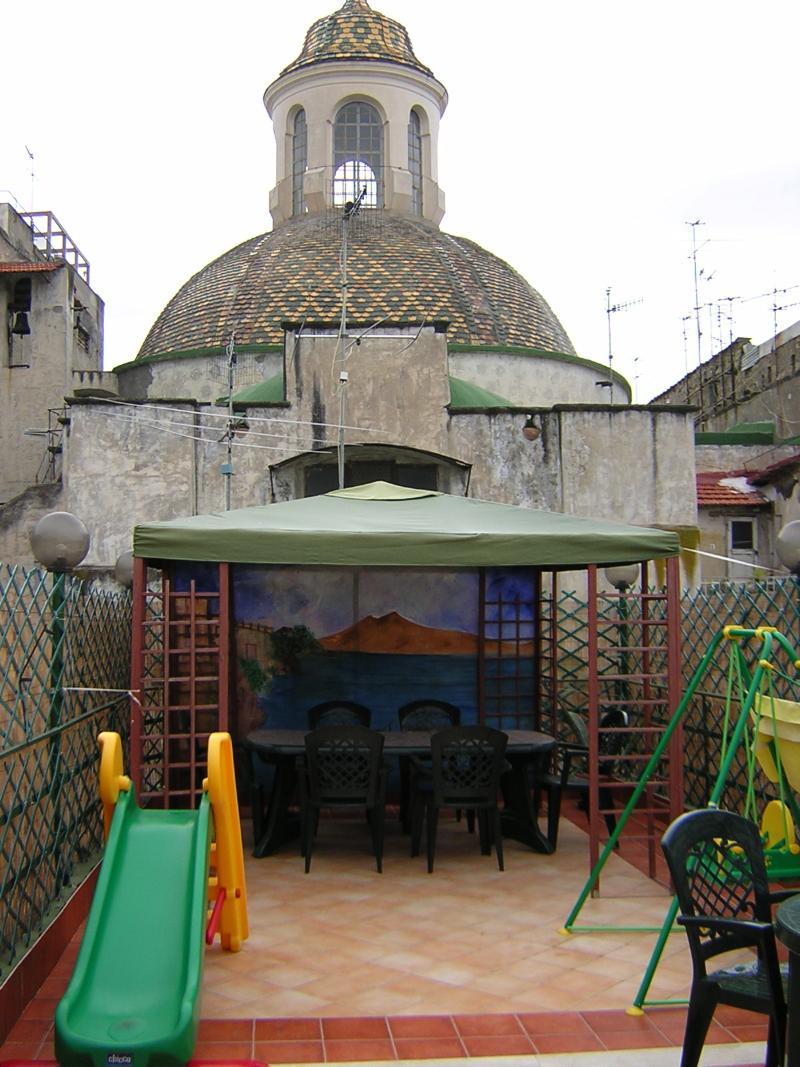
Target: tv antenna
351 209
33 176
612 309
227 467
695 250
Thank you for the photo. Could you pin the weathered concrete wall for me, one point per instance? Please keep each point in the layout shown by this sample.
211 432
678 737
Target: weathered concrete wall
740 457
526 379
202 377
20 515
36 371
630 464
714 526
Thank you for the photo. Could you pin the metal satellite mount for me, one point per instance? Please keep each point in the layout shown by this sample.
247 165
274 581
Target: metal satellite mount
610 310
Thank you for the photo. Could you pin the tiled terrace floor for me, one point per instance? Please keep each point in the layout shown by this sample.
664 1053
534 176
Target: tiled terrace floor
344 964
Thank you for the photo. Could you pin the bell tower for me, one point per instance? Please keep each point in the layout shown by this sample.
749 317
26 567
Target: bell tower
356 114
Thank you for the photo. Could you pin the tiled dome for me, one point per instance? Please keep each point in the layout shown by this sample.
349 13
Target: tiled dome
399 270
355 31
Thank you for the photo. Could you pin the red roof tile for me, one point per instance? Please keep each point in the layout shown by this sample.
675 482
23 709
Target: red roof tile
22 267
727 489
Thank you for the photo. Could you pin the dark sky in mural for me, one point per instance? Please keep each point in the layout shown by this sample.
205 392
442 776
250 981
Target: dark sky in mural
328 600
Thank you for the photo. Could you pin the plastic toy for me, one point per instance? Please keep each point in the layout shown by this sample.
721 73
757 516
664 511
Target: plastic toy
133 1000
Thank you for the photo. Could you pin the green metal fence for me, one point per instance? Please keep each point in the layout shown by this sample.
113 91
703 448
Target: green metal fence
64 658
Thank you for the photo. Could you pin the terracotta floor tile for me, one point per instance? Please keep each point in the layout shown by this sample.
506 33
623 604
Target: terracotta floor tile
552 1043
268 1052
343 1051
41 1008
429 1048
499 1045
223 1050
603 1021
20 1050
427 1026
486 1025
288 1030
553 1022
354 1029
225 1030
619 1039
756 1032
27 1030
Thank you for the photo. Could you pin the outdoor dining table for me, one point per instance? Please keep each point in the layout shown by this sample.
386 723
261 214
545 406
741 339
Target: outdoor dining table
787 930
526 749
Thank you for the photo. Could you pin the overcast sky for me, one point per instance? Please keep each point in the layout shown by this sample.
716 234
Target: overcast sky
580 139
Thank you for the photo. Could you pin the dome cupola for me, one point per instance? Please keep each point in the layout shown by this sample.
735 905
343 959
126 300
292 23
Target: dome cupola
356 115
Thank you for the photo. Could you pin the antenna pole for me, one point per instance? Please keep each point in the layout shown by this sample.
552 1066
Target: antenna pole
33 176
610 356
230 351
693 226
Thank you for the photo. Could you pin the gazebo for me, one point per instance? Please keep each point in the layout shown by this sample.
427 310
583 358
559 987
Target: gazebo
378 593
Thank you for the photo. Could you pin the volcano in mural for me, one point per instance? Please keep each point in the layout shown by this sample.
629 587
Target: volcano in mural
393 634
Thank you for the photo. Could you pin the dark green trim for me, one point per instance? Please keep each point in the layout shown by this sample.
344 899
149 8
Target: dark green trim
196 353
543 353
727 437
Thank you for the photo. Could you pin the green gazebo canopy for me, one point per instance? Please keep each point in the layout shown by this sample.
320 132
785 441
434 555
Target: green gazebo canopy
392 526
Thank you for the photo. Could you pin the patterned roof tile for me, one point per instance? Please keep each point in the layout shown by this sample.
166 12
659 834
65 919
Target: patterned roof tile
399 269
355 31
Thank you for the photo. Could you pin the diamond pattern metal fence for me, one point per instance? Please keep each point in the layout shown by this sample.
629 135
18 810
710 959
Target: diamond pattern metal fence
704 611
64 658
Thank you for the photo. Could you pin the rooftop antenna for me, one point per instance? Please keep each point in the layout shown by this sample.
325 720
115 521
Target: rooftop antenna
227 468
33 176
351 209
611 309
730 302
693 226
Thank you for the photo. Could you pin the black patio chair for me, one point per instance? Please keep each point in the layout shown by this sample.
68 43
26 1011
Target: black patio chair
421 715
467 763
343 768
338 713
569 768
716 861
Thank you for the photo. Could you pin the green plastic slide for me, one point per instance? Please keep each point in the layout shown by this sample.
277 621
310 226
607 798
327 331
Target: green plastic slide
133 1000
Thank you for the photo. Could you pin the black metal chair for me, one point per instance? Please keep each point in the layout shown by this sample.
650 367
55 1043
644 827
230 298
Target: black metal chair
343 768
716 861
467 763
569 768
421 715
338 713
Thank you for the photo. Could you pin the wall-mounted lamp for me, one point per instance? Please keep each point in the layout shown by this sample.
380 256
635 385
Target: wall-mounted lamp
20 325
530 431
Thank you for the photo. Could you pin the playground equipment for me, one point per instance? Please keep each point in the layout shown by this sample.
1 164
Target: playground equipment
774 743
133 1000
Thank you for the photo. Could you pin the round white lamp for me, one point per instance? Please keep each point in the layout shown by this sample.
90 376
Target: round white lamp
787 546
60 541
622 577
123 569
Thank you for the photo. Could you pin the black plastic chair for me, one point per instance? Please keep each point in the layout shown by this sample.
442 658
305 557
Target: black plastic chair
421 715
338 713
569 768
716 861
467 763
343 769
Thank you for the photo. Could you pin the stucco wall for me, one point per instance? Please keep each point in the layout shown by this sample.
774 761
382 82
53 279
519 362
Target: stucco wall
527 379
202 377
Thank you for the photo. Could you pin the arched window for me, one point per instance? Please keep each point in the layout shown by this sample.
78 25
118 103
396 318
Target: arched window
299 161
415 162
358 154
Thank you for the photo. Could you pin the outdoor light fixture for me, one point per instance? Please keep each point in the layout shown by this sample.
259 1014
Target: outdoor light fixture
530 431
59 541
123 569
787 546
21 327
622 577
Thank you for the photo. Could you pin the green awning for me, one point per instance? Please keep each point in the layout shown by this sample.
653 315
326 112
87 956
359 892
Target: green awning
390 526
269 391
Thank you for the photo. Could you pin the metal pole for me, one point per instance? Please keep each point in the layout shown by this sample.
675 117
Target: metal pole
56 682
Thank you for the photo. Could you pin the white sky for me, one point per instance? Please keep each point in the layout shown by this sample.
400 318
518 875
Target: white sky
580 139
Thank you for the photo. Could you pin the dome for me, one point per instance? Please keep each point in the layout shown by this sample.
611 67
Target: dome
400 269
355 31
